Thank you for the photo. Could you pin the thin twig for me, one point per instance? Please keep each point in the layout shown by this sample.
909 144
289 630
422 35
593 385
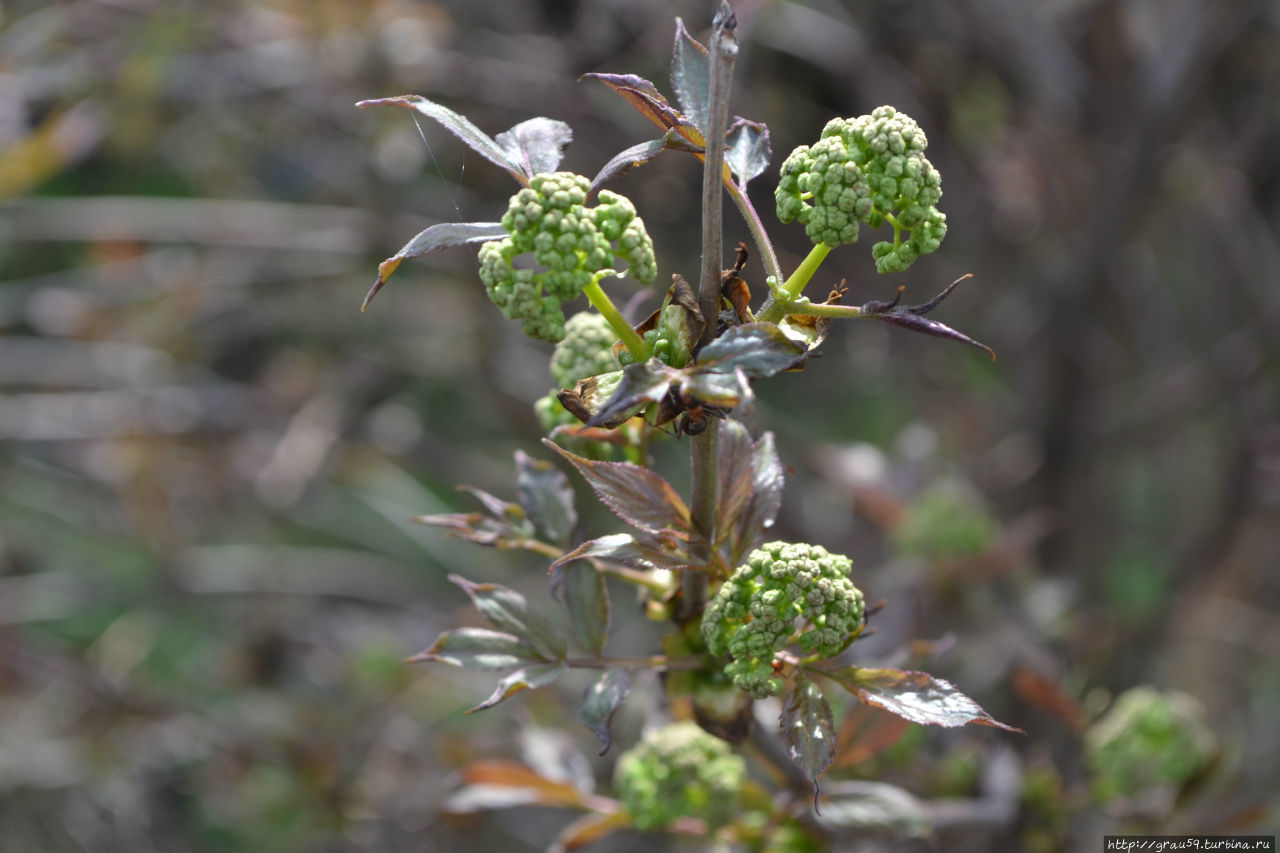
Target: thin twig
651 662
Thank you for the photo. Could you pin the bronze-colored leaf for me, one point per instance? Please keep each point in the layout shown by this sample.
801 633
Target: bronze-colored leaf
933 328
639 552
442 236
734 476
636 495
601 701
759 349
866 733
546 496
588 829
503 784
472 526
479 649
691 76
539 675
912 317
808 730
764 499
627 81
508 609
645 98
733 287
587 597
583 432
502 511
1047 694
915 696
626 160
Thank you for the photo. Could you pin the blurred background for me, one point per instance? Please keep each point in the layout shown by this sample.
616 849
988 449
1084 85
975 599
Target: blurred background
209 457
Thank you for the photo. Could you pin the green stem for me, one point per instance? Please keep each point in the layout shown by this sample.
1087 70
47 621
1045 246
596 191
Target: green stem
768 256
897 229
601 302
850 312
546 549
633 576
775 309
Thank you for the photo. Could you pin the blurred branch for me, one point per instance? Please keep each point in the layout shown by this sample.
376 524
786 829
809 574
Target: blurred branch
77 415
1165 87
61 141
1027 36
283 570
68 363
266 224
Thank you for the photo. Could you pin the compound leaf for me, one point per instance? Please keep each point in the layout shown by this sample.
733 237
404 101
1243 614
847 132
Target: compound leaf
636 495
539 675
479 649
914 696
509 610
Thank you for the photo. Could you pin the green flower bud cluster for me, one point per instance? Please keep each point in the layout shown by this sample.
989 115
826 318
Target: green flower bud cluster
680 771
572 243
866 169
755 612
1147 740
585 351
947 522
